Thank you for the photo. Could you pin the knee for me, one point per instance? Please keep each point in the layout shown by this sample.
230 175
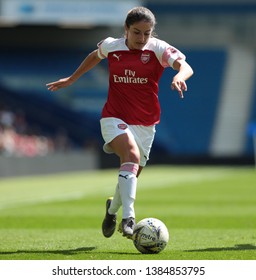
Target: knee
130 155
126 148
134 156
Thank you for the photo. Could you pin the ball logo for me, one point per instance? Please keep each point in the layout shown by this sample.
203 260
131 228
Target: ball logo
148 237
122 126
145 57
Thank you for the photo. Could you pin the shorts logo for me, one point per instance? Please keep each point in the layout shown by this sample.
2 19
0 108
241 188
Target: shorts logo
122 126
145 57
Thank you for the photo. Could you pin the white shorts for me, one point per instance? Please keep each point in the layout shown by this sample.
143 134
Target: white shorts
143 135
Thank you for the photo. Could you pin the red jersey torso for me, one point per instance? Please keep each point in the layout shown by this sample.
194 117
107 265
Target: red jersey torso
133 79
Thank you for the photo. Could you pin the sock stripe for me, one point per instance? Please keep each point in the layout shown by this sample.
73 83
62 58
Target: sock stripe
130 167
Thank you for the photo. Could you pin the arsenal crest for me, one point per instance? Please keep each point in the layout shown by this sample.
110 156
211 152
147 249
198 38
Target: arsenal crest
145 57
122 126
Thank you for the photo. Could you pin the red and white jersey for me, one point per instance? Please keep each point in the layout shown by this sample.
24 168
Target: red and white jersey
134 77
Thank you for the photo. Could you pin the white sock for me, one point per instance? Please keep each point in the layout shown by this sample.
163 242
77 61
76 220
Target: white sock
116 202
127 181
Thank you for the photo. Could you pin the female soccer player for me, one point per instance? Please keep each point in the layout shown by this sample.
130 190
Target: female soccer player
132 110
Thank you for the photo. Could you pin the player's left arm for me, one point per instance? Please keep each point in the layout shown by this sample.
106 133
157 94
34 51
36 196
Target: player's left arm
184 73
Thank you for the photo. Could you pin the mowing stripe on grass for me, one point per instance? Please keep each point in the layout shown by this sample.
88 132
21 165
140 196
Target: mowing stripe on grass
73 186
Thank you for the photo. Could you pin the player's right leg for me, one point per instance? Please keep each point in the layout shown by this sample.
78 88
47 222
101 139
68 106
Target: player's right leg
109 222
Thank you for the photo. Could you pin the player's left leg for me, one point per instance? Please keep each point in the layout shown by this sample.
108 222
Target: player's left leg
132 144
126 148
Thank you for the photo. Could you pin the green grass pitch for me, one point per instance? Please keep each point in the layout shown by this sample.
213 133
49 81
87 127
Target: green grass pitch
210 213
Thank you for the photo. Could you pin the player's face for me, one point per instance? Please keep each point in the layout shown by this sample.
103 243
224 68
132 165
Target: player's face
138 35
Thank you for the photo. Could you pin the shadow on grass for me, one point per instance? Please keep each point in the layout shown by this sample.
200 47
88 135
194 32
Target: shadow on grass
69 252
238 247
62 252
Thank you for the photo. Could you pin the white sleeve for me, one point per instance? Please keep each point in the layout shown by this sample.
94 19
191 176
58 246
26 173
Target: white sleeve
170 55
103 47
167 54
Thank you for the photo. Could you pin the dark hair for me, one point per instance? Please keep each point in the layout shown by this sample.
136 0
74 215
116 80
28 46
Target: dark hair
140 14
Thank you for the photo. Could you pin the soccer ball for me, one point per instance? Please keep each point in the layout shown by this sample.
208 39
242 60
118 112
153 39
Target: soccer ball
150 236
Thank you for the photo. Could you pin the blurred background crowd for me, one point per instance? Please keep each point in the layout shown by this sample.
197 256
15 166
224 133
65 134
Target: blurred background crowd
18 137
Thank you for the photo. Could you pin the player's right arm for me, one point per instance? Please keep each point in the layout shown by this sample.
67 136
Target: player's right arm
89 62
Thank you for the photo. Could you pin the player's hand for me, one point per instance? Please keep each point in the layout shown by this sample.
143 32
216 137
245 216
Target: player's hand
179 85
62 83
